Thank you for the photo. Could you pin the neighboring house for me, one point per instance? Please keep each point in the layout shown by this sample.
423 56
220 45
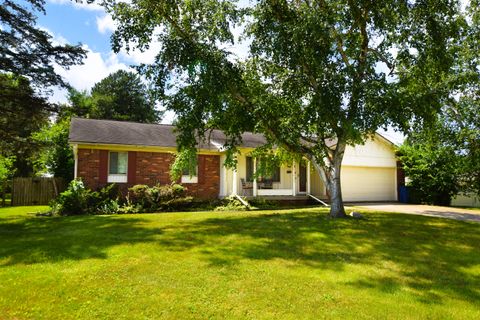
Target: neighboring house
133 153
466 200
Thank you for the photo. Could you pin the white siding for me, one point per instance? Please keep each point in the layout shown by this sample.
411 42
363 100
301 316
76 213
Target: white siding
466 201
374 153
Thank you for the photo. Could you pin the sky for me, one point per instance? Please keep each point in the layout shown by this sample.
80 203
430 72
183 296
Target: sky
71 22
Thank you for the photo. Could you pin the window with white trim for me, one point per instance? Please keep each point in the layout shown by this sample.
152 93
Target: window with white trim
117 167
190 175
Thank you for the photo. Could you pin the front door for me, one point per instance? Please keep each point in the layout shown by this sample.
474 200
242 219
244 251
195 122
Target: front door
302 185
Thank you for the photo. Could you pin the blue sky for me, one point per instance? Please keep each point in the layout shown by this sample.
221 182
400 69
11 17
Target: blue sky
75 24
71 22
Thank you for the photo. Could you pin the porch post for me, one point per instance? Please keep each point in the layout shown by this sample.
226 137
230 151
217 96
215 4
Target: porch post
223 178
255 186
235 183
308 177
294 178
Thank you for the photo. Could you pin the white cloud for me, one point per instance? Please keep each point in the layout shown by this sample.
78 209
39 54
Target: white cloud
79 5
147 56
94 69
105 24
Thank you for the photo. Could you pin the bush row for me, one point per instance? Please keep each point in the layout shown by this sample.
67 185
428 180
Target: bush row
79 200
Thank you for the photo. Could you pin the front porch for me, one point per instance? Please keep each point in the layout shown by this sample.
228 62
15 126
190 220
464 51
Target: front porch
296 181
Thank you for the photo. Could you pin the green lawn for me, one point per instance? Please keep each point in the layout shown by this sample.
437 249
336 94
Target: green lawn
288 264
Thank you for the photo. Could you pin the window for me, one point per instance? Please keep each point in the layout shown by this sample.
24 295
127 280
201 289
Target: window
275 177
117 167
189 176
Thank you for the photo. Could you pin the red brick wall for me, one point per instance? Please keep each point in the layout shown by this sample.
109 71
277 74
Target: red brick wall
208 186
89 167
153 168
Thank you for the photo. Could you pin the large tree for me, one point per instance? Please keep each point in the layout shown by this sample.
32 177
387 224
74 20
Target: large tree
123 96
22 112
30 51
443 159
320 75
28 56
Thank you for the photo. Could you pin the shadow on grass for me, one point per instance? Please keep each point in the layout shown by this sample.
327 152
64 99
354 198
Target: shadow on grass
431 258
39 240
428 257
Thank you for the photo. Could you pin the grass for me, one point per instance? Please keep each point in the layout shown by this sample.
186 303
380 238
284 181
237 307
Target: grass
280 264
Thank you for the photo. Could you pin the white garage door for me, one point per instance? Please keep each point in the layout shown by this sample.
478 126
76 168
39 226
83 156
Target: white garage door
368 184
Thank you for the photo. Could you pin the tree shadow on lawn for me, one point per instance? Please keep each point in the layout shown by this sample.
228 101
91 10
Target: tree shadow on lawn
40 240
429 257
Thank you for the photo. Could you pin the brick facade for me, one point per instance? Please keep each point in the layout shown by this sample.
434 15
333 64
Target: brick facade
151 168
88 167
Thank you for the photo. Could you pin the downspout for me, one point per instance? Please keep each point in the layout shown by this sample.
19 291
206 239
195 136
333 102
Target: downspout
75 157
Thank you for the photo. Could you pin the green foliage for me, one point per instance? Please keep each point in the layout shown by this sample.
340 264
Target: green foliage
22 112
444 159
318 76
78 200
432 172
73 201
120 96
7 169
27 50
56 156
263 204
185 159
158 198
123 96
230 204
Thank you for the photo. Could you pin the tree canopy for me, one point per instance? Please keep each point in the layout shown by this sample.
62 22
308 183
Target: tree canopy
443 159
22 112
123 96
316 71
30 51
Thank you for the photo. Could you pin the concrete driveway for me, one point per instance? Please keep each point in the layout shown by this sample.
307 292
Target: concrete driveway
433 211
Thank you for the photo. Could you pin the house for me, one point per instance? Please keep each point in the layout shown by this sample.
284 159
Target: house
130 153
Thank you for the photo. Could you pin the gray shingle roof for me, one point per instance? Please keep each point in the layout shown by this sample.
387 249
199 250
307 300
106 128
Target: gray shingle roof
141 134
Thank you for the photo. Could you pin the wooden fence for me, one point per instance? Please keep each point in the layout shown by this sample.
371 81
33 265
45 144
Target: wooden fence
35 191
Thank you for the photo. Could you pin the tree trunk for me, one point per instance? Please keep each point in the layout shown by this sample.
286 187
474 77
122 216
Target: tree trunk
332 181
337 210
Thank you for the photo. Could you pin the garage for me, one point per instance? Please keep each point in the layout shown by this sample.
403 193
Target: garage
368 184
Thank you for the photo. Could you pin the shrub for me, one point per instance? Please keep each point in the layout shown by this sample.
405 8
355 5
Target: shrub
263 204
231 204
143 198
177 204
73 201
78 200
